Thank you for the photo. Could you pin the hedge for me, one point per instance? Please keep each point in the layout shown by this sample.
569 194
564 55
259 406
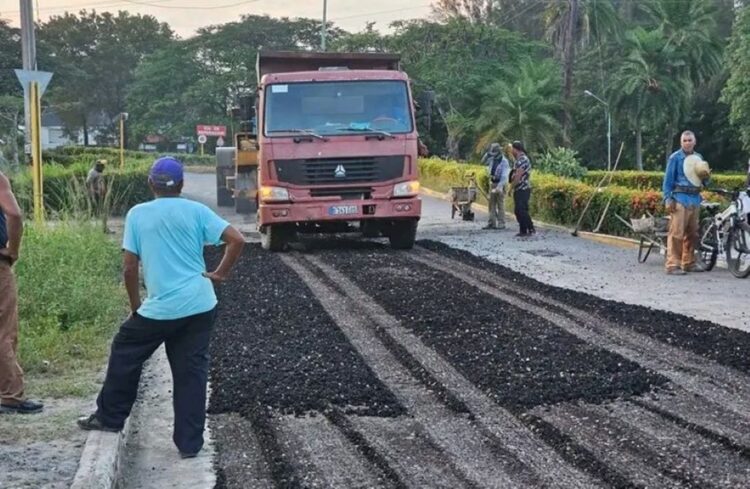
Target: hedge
554 199
653 179
65 188
70 155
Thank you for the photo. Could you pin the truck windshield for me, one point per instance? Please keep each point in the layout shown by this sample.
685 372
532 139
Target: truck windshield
336 108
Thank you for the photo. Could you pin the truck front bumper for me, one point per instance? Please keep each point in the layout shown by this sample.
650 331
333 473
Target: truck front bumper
327 211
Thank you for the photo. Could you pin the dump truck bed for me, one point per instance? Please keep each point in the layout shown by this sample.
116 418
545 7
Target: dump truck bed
269 62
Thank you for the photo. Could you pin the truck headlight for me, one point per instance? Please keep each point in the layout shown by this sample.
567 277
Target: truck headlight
274 194
406 189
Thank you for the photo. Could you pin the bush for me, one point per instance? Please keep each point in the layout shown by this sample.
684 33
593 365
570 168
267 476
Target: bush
65 189
554 199
562 162
70 302
196 160
69 155
653 179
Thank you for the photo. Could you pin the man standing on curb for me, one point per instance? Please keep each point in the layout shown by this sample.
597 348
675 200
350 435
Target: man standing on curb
167 236
499 169
11 376
522 189
682 199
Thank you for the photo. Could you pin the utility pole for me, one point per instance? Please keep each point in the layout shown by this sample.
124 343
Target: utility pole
28 54
324 27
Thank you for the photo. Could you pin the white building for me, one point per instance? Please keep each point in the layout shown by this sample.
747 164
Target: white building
54 133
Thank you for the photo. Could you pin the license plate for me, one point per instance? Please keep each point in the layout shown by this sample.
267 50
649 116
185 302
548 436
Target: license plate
342 210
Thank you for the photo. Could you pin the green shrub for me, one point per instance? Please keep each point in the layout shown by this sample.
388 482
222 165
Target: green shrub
196 160
65 189
562 162
555 199
70 155
653 179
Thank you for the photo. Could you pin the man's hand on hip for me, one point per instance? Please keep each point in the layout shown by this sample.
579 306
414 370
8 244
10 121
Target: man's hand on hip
671 206
215 277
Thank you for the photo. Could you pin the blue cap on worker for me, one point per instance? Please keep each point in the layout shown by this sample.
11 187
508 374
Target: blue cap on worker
166 172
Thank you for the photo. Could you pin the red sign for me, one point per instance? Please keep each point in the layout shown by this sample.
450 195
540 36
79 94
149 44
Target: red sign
211 130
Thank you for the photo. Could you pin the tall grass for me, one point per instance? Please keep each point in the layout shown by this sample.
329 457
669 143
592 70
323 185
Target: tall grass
70 302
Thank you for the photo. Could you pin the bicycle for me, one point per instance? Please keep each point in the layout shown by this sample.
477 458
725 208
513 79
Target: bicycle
727 233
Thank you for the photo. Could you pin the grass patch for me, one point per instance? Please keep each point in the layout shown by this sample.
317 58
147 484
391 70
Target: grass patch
70 303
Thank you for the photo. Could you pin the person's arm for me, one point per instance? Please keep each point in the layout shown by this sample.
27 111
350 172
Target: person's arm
14 220
234 244
518 174
668 184
130 274
504 173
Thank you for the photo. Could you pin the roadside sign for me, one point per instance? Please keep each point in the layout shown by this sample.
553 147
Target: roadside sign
202 139
203 130
220 141
28 76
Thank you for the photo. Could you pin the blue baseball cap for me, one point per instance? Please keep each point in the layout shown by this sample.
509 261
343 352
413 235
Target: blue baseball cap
166 172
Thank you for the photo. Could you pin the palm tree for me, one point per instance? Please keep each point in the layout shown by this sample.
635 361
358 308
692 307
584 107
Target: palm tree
571 25
524 108
651 87
690 30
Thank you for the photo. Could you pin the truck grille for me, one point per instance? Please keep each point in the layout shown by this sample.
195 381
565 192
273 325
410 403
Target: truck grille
339 170
345 193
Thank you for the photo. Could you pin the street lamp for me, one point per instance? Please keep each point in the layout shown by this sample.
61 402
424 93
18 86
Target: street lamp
123 118
609 127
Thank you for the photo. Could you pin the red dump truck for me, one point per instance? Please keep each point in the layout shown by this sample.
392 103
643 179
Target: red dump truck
336 148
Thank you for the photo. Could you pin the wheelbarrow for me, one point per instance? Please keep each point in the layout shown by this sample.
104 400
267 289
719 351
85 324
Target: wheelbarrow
652 232
463 197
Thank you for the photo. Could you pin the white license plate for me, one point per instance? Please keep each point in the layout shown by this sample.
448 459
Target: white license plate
342 210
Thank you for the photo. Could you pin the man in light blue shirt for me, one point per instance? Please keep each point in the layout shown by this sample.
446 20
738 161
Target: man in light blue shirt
682 199
167 236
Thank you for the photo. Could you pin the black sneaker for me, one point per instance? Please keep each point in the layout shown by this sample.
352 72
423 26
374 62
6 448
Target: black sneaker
522 235
188 454
25 407
92 423
489 226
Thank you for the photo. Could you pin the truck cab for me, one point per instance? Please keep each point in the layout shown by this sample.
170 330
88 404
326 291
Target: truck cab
337 147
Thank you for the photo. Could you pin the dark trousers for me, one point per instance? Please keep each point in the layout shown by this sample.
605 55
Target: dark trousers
186 342
521 202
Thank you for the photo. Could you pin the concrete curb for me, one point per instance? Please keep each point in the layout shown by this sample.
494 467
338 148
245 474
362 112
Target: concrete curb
101 459
607 239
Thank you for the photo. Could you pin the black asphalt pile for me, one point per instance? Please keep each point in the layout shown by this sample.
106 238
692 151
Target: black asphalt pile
274 347
723 345
519 359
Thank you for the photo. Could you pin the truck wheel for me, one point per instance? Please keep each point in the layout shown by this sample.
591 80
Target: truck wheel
275 238
403 234
224 197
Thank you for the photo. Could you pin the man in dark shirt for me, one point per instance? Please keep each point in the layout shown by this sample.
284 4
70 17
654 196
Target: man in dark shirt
11 376
522 189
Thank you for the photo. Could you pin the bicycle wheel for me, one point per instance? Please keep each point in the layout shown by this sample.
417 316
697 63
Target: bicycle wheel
708 248
738 253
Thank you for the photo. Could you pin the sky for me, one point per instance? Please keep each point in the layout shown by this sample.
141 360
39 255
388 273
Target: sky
186 16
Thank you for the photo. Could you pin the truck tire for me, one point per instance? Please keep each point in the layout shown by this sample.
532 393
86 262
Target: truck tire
275 238
224 197
403 234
